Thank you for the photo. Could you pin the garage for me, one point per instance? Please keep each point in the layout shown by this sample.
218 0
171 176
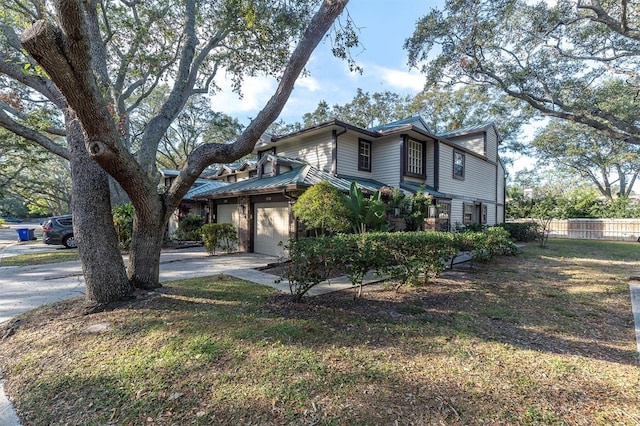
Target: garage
271 226
227 213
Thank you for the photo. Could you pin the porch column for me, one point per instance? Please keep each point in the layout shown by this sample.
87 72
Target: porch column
244 224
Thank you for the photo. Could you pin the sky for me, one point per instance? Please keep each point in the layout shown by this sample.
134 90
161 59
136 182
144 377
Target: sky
384 25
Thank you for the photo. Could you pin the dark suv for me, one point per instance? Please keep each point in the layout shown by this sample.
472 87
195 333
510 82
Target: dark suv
59 230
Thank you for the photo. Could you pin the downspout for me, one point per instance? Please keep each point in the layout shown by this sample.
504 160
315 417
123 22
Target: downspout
334 150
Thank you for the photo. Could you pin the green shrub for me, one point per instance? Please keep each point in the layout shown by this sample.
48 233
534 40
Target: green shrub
402 256
521 231
313 260
323 207
221 236
123 222
189 229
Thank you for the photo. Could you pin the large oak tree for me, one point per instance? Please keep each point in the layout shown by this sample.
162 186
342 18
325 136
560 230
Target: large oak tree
100 60
567 59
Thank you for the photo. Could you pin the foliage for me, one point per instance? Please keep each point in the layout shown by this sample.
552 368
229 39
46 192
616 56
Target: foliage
313 260
609 164
419 203
123 222
364 110
189 229
567 59
323 207
521 231
11 206
400 256
219 235
366 213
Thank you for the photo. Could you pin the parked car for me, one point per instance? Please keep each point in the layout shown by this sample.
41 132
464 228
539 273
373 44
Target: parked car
58 230
11 219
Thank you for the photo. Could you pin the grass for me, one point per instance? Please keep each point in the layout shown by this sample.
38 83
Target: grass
40 258
543 338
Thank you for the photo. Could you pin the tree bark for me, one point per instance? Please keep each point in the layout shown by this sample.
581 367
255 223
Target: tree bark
105 276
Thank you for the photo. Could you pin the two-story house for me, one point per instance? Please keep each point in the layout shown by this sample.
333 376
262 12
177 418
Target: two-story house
461 172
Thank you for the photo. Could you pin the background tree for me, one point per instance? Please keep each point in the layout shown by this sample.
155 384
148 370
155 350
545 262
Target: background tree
242 38
364 110
609 164
195 124
567 59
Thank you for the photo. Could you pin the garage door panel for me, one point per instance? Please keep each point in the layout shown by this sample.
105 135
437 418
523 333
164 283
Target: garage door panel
271 226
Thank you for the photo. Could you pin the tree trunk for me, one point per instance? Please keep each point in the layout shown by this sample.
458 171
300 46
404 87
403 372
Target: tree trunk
105 276
146 244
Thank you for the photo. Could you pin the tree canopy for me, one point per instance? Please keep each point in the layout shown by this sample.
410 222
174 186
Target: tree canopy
568 59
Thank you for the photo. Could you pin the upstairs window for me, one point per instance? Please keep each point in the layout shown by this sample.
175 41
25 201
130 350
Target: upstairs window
458 165
364 155
415 158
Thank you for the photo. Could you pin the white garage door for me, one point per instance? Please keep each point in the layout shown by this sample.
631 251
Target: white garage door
228 213
271 225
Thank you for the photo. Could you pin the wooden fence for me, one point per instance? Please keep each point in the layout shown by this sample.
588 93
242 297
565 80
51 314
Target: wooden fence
595 229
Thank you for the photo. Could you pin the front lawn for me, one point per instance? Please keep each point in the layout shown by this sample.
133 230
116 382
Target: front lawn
542 338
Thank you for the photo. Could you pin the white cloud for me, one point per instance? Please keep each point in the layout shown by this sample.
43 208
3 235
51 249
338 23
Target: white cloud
256 92
397 79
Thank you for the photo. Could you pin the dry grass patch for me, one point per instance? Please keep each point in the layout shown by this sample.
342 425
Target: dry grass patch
543 338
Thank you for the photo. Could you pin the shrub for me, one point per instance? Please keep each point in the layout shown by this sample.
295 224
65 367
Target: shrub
313 260
323 207
123 222
189 229
402 256
221 236
521 231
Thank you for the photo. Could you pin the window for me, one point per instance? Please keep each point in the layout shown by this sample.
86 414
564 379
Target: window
458 165
415 158
484 213
467 213
364 155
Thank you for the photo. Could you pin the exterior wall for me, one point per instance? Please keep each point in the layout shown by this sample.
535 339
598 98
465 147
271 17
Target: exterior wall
500 193
386 159
431 163
315 151
479 177
348 156
474 142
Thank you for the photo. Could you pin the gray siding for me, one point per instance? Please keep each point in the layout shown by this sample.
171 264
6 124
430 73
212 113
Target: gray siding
385 164
479 180
348 156
315 151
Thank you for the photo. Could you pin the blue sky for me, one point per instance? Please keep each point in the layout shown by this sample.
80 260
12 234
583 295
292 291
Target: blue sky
384 26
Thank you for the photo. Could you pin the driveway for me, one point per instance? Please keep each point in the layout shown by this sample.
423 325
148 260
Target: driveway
23 288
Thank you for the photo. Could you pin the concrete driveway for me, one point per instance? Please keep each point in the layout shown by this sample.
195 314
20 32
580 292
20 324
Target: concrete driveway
23 288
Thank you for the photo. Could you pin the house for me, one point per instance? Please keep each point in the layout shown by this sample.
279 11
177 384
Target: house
461 172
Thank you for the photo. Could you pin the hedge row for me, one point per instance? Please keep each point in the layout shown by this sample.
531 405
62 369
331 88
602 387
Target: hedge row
401 256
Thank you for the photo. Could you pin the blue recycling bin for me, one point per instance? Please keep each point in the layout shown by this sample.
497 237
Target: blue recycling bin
23 234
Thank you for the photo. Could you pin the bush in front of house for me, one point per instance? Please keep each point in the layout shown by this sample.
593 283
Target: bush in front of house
400 256
313 260
189 229
221 236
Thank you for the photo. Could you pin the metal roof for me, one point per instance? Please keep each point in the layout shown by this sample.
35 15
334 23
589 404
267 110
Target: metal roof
413 121
415 187
298 178
205 187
